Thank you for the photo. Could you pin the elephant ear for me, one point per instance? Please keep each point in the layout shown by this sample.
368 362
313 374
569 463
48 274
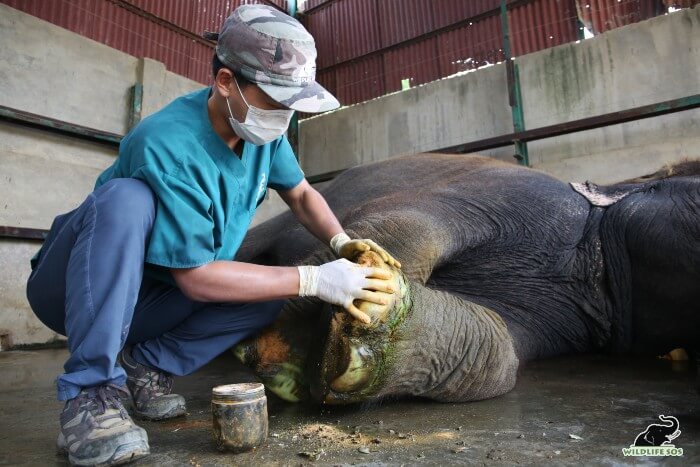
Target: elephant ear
604 196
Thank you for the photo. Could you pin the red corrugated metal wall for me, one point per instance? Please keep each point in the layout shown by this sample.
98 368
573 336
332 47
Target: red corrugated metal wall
603 15
165 30
475 44
356 37
400 20
542 24
417 61
367 47
361 80
452 11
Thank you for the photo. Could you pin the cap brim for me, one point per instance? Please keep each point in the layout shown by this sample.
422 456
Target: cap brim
313 98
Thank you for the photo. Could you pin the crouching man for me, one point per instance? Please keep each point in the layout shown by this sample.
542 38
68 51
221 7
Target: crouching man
140 277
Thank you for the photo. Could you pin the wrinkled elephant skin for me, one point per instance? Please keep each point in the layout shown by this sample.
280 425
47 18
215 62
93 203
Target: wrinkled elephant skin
500 264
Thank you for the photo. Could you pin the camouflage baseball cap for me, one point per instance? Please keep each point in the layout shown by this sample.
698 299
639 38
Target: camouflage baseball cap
274 51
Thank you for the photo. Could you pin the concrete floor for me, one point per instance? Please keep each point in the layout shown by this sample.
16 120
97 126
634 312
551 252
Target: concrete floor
606 401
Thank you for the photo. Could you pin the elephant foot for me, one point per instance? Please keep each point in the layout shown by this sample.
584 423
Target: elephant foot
323 351
278 354
279 368
352 362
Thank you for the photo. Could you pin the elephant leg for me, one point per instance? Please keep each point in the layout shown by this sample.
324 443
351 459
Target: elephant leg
424 342
279 353
421 238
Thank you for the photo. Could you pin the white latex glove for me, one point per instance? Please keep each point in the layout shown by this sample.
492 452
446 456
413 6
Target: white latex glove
341 281
345 247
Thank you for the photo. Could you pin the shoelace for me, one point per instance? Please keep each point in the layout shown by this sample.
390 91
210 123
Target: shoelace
104 397
160 381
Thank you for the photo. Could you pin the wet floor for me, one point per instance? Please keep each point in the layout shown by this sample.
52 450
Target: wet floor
603 401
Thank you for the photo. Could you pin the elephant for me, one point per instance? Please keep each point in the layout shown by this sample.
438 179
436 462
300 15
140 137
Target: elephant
501 264
659 434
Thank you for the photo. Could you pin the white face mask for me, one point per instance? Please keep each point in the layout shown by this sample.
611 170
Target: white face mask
261 126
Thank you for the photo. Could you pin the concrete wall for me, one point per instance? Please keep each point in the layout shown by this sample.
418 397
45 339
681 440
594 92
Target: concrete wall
641 64
50 71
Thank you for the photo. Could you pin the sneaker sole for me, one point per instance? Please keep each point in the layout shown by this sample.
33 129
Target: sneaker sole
126 451
177 411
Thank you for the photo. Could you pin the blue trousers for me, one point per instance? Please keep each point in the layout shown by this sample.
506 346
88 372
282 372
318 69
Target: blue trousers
88 284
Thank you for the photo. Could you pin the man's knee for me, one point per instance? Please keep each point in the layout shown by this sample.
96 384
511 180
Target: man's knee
127 198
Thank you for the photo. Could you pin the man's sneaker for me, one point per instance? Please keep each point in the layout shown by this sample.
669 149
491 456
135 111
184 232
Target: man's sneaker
151 390
97 430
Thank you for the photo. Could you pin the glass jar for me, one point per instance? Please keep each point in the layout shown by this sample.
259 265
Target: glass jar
239 413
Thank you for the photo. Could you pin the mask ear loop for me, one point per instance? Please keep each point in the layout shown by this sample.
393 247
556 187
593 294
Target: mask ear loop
229 109
239 92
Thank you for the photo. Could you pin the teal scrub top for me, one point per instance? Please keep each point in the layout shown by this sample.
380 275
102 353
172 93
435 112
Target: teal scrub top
207 195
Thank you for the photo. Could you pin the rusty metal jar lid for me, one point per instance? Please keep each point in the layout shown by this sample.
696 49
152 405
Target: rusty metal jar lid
238 392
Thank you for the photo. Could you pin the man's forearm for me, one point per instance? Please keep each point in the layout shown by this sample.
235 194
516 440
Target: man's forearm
314 213
233 281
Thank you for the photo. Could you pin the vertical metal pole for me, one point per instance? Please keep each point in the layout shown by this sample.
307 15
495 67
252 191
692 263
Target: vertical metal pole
514 96
136 105
580 35
293 130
